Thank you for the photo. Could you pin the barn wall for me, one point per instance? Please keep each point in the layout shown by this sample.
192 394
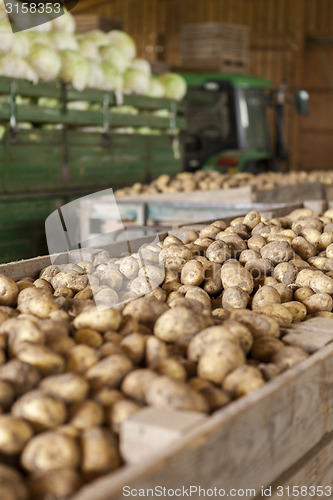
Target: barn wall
284 47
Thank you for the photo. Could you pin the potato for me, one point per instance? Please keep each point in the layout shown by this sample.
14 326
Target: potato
305 277
289 356
136 384
285 292
235 298
264 348
39 303
190 236
106 396
121 411
318 262
8 291
12 486
44 285
220 359
133 345
297 309
232 275
69 387
265 296
199 295
55 484
259 325
318 302
285 273
99 452
21 376
303 293
256 242
213 283
322 284
176 250
277 252
174 263
165 392
41 357
14 434
240 333
192 273
206 338
209 232
88 337
243 381
109 372
247 256
303 248
50 450
171 367
86 414
100 320
259 267
80 358
215 397
276 311
7 394
218 252
21 330
41 410
178 325
158 294
145 311
155 351
203 242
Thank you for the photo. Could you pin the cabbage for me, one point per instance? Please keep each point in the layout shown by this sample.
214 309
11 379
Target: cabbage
96 75
23 101
113 80
142 65
123 42
48 102
113 56
147 131
6 37
74 69
25 126
161 113
40 39
15 67
21 45
88 49
64 41
174 85
135 82
46 62
65 24
98 37
123 130
156 89
78 105
124 110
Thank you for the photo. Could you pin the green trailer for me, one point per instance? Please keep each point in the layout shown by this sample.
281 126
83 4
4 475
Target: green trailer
52 155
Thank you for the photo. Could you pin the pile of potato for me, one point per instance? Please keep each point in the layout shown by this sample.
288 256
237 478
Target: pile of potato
204 332
202 180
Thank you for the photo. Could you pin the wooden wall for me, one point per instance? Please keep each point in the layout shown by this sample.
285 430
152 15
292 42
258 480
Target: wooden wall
281 48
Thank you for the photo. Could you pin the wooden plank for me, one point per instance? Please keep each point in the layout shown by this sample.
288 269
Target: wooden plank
285 194
314 469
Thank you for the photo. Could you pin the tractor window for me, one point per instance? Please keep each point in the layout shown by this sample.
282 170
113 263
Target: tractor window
253 119
209 117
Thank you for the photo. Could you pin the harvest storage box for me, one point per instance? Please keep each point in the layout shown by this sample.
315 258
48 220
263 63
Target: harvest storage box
215 46
90 22
280 436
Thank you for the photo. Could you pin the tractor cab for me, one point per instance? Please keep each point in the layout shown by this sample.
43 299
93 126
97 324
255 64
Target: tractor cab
226 124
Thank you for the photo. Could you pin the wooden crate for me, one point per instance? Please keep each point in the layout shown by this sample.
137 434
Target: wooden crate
215 46
90 22
280 436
